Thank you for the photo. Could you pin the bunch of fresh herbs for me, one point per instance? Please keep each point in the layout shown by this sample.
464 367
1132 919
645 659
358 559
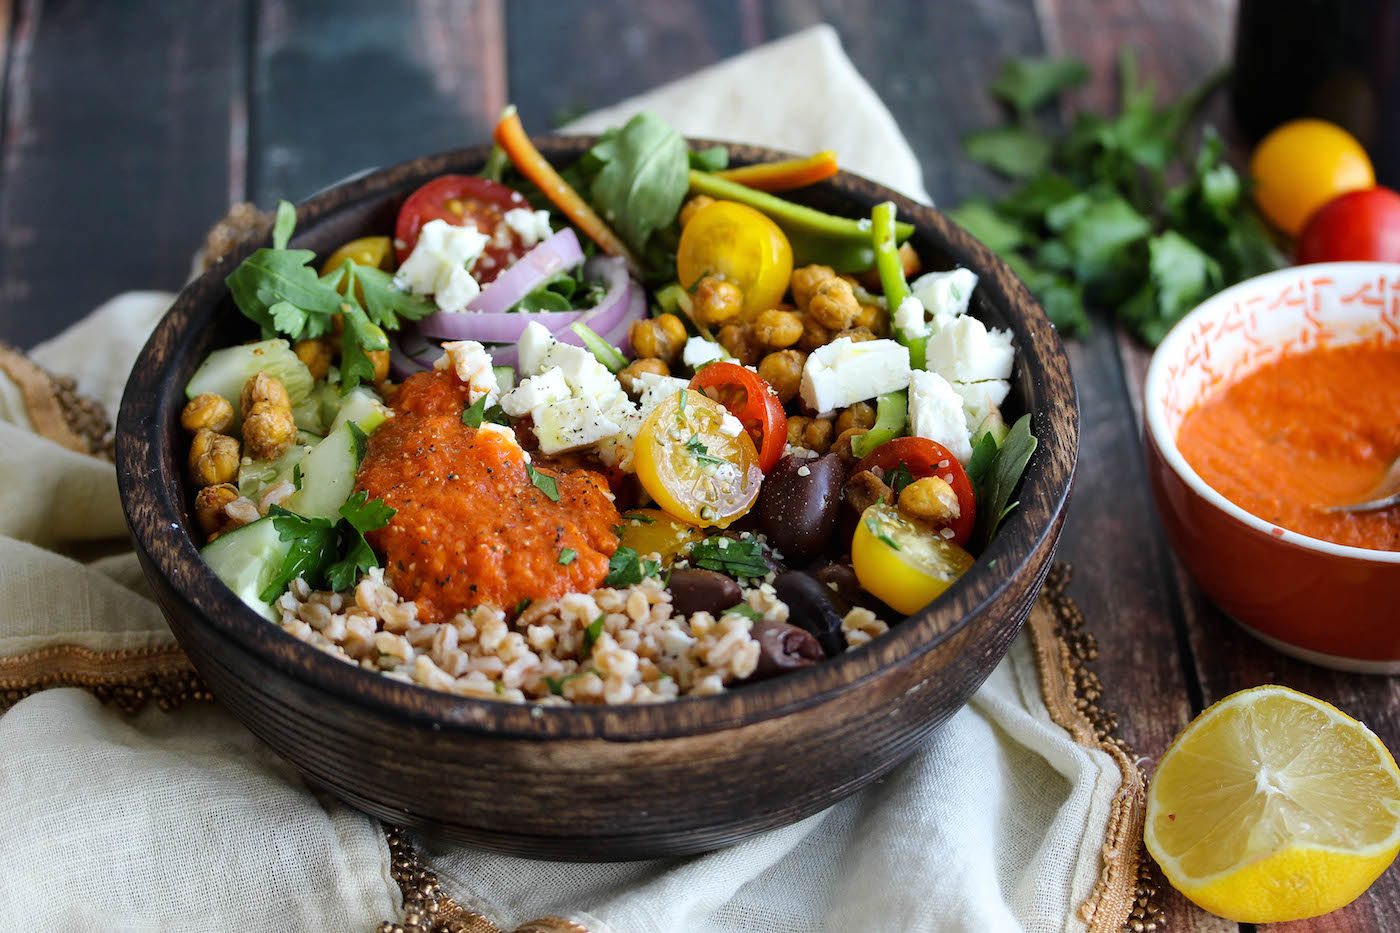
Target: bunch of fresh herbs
1094 218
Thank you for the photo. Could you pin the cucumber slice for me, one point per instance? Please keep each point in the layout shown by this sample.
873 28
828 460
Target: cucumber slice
224 372
247 559
308 416
254 476
994 425
327 476
362 407
505 378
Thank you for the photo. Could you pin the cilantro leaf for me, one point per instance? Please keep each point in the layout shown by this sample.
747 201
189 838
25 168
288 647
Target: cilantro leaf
365 515
360 335
1014 151
284 225
1027 84
626 568
999 234
296 476
900 478
739 558
384 304
325 553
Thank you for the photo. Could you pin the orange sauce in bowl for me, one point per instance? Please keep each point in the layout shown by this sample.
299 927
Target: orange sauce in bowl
471 527
1302 433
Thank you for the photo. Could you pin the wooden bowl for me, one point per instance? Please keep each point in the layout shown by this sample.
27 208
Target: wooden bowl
590 783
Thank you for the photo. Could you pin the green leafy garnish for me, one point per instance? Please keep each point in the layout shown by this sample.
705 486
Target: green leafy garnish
1001 476
639 517
1093 220
900 478
642 175
713 159
626 568
477 412
567 555
731 556
556 684
326 553
590 635
874 527
278 290
745 610
296 476
604 352
700 450
542 482
981 460
522 606
566 291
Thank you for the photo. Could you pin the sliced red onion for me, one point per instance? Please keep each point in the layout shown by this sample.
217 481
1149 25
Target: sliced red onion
410 353
488 316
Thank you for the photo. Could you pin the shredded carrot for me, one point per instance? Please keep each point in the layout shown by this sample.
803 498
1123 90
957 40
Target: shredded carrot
510 136
784 175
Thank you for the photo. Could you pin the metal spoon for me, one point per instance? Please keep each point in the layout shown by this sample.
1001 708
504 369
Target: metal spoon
1386 494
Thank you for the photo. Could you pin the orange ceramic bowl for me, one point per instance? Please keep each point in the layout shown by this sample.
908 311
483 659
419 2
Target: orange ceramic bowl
1327 603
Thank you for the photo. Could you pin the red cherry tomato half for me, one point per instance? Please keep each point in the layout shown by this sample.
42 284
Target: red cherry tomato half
1357 226
923 457
458 199
751 399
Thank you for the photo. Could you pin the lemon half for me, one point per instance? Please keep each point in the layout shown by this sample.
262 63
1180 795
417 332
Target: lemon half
1274 806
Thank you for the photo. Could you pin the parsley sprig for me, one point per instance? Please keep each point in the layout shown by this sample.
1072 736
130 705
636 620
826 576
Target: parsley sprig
626 567
326 553
278 290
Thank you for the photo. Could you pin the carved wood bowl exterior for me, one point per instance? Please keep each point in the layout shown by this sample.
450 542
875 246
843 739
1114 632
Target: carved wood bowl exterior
590 783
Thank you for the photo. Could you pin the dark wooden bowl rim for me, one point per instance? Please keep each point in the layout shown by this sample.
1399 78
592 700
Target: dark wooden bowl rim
144 454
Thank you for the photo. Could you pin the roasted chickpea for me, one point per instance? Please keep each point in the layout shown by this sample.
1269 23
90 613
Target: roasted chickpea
814 335
209 505
213 458
864 489
930 500
834 304
630 372
874 319
207 411
817 435
859 415
777 329
796 425
316 354
738 342
716 301
842 447
268 430
783 371
662 338
263 387
694 204
805 281
857 334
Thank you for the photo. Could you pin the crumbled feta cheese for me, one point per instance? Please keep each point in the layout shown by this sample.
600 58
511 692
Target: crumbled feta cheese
699 351
571 423
909 319
731 426
656 389
980 399
531 227
548 386
804 470
945 295
472 364
845 372
965 351
530 348
440 264
802 452
936 413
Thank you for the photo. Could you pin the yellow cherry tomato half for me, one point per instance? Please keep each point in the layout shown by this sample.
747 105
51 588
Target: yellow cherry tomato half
1303 164
694 464
652 531
740 245
376 252
902 563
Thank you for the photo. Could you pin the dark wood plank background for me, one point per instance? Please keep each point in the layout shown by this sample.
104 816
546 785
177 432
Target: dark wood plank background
128 128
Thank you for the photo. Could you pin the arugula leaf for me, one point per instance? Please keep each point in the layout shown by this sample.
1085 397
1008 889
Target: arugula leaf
981 460
1014 151
642 179
543 482
1027 84
736 557
994 495
626 567
271 277
713 159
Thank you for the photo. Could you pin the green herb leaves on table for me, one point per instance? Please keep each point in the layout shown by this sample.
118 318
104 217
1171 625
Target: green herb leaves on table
278 290
1093 220
325 553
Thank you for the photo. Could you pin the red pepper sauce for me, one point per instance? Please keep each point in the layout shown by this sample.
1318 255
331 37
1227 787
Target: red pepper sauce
1305 432
471 528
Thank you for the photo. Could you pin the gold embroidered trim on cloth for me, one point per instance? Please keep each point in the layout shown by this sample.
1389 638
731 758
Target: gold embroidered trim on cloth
56 409
127 679
1125 896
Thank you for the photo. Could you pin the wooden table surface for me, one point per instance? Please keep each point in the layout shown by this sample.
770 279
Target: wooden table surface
130 127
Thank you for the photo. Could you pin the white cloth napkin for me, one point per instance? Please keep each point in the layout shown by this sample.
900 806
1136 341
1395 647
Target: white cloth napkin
182 820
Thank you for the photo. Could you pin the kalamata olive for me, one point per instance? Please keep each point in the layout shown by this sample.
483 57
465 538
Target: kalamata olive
813 606
698 590
843 578
799 504
784 647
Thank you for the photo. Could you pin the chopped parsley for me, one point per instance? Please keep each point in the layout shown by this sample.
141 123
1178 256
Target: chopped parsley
296 476
477 412
545 484
556 684
591 634
326 553
639 517
567 555
875 530
900 478
745 610
700 450
626 568
522 606
734 557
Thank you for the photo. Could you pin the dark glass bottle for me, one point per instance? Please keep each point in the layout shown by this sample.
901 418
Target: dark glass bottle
1337 60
